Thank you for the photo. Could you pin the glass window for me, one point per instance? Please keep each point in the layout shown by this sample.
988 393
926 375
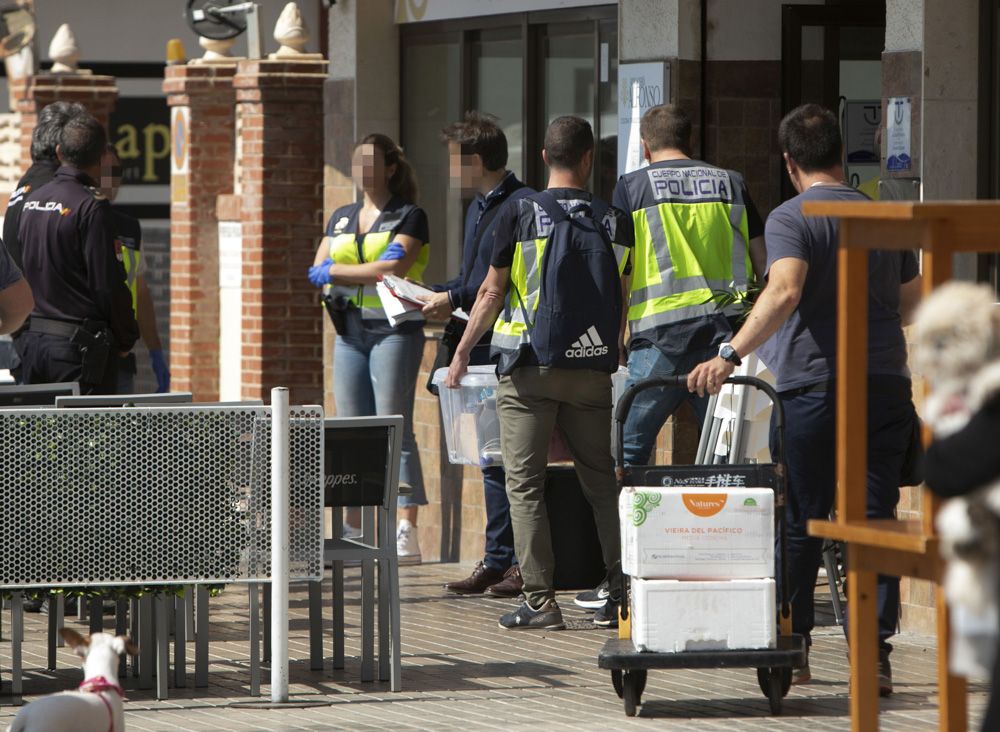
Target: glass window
430 101
498 73
607 99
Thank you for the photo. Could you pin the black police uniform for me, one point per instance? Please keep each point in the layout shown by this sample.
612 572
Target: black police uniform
34 178
83 309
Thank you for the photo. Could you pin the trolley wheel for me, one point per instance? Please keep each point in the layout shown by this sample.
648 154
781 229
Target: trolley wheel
616 681
771 682
633 684
764 680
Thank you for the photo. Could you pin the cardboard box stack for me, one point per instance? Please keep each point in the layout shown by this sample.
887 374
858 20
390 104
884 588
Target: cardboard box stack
702 567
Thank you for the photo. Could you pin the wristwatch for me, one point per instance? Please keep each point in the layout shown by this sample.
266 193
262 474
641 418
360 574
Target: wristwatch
728 353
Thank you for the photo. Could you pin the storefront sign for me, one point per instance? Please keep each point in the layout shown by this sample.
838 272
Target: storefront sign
140 130
640 86
897 131
416 11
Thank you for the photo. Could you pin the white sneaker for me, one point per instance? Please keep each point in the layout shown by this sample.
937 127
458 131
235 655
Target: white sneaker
407 546
350 532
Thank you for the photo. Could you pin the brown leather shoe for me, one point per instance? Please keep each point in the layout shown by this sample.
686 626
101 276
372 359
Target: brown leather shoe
477 582
510 586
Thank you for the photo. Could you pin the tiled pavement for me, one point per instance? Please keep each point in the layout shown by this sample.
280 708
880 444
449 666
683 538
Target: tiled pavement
460 671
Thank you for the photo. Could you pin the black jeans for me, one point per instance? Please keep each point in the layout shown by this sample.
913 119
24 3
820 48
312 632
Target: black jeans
49 359
810 453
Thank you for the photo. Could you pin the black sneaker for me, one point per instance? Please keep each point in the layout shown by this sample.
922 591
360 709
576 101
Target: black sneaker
606 616
547 617
593 599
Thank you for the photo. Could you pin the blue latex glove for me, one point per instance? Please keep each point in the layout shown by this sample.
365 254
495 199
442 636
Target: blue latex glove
319 274
393 252
160 370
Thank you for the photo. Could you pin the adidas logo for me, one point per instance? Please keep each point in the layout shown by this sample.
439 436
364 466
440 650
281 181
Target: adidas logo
587 346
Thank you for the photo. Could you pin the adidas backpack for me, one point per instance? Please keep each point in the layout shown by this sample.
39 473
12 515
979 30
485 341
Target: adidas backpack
579 311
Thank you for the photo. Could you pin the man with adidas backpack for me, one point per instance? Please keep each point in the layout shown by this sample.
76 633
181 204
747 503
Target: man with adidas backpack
554 296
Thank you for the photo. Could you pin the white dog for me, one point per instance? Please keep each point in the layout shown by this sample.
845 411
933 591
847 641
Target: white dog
97 705
957 332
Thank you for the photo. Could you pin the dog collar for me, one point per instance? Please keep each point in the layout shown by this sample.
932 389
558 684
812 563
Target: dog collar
98 684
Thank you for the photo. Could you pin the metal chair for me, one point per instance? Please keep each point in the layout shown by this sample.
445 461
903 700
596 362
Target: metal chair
361 469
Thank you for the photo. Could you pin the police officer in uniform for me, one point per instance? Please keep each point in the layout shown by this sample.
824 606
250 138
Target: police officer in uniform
44 164
698 242
83 317
532 299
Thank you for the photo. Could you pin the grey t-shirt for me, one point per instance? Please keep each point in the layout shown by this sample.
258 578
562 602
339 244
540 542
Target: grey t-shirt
9 273
803 351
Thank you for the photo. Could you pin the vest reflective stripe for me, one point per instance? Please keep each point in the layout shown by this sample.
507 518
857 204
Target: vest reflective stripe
130 260
512 328
678 273
344 250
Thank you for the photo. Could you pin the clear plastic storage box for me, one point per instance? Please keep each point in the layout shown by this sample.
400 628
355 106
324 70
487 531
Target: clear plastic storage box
469 416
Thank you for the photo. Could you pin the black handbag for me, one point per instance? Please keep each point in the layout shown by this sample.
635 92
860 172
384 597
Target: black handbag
450 338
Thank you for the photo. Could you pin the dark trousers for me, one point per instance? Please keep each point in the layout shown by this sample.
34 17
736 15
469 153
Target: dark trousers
499 533
810 454
499 552
49 359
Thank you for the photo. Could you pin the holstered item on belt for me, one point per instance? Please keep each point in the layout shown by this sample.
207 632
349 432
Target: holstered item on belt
94 340
92 336
336 307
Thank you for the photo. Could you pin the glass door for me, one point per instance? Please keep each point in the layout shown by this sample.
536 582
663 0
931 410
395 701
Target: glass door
524 68
497 78
831 55
431 82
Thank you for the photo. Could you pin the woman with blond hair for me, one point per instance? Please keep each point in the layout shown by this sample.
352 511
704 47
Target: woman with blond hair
375 365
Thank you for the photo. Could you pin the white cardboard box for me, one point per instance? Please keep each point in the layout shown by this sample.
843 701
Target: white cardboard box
697 533
670 616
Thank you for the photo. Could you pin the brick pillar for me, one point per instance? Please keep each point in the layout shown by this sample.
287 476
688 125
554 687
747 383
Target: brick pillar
280 108
98 94
201 99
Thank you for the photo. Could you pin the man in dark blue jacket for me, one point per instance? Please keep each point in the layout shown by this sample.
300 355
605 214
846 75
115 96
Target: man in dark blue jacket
477 152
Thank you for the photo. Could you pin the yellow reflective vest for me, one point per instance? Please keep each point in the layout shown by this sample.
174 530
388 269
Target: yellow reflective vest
347 247
691 245
512 330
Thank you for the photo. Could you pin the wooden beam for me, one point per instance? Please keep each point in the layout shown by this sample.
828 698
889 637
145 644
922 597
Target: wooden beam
953 714
863 645
906 536
926 566
852 378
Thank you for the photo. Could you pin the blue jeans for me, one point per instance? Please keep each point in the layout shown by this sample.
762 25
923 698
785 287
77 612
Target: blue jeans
376 373
652 407
811 455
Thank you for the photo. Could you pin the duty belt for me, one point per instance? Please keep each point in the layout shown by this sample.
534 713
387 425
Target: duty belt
49 326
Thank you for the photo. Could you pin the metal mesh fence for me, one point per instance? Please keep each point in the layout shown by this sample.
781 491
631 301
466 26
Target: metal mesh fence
158 495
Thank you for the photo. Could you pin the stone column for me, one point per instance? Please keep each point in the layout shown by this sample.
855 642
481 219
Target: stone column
201 99
280 111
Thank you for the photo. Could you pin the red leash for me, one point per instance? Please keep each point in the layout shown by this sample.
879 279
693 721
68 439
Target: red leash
98 685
